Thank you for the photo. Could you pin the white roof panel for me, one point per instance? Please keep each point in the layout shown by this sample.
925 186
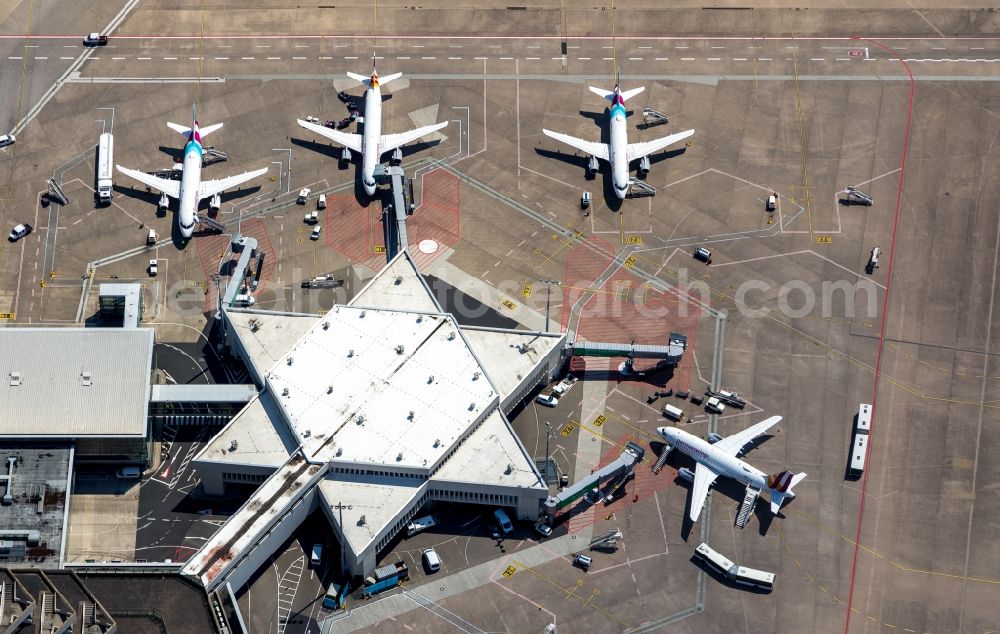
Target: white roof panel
398 286
379 500
74 382
267 336
353 382
510 355
262 438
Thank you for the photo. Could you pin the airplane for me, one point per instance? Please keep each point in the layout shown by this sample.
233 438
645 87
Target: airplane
720 456
373 144
619 152
191 190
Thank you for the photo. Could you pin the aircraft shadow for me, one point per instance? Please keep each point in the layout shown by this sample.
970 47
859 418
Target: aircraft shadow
326 148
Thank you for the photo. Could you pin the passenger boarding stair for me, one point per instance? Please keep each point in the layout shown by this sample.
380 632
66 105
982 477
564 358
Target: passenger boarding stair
606 540
213 156
662 460
651 118
640 189
210 224
746 509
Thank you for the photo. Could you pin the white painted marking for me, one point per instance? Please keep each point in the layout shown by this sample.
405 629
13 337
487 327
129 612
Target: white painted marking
173 58
476 58
662 59
274 58
535 58
246 58
687 59
506 58
403 57
714 59
635 59
298 58
817 59
222 58
325 57
351 57
15 57
583 59
454 58
75 58
37 58
429 57
739 59
763 59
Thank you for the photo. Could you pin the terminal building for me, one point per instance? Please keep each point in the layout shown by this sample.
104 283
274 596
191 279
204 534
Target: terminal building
369 412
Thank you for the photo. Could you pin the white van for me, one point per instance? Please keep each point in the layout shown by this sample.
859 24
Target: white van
503 521
316 557
673 413
431 560
128 473
321 203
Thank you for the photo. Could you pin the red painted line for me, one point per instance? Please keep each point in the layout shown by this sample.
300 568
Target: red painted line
885 311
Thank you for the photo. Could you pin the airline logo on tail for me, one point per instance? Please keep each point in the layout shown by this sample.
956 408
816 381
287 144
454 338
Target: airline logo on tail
780 482
196 132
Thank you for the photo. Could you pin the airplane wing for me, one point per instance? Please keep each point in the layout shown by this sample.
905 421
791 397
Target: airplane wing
638 150
600 150
347 139
211 188
168 187
392 141
703 479
733 444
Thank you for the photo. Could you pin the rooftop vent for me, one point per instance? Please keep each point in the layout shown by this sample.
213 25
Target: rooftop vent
329 389
289 361
284 392
254 325
350 353
510 468
340 451
472 406
437 443
410 417
363 313
399 280
233 446
87 378
430 379
326 325
475 376
307 433
451 335
362 520
399 456
420 318
399 349
359 420
15 379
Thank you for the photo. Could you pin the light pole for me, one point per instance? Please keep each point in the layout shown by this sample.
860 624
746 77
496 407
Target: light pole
548 299
343 538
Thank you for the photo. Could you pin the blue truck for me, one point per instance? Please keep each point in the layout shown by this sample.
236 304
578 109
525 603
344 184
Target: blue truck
385 578
336 594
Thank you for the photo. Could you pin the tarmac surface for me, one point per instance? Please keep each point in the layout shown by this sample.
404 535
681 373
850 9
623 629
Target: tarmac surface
806 334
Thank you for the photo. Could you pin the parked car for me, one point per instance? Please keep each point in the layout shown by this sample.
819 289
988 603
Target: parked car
547 400
703 254
315 232
95 39
19 232
543 529
583 561
153 270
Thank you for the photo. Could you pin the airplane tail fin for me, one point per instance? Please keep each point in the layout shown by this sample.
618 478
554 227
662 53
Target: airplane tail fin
367 81
186 131
781 486
385 80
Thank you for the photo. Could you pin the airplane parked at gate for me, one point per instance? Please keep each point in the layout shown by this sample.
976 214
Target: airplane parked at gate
372 144
618 151
191 190
719 456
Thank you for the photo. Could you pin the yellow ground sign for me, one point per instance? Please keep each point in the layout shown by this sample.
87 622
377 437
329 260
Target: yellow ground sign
509 572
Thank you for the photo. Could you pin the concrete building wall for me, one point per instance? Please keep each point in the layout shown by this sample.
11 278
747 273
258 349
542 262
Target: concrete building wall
525 502
216 475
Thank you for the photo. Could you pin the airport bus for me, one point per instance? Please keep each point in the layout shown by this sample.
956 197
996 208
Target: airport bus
859 444
753 578
707 554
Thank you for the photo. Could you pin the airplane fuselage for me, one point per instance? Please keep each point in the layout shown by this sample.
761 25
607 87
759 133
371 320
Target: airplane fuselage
371 153
618 146
715 459
190 181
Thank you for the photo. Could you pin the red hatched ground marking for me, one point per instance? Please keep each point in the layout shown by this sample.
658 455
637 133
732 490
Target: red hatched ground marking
210 250
255 228
625 309
357 232
581 514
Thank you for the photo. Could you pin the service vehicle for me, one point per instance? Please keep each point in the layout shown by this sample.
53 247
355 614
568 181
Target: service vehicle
151 238
128 473
673 413
583 561
19 232
420 524
772 202
431 560
321 203
503 521
543 529
303 195
153 269
95 39
715 406
702 254
311 218
105 167
316 556
7 139
548 400
315 232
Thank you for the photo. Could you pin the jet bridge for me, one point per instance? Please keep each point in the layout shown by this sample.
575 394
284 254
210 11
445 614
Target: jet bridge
631 456
669 354
247 248
394 214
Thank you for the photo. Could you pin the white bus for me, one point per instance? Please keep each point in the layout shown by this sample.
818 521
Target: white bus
753 578
707 554
859 443
734 572
105 163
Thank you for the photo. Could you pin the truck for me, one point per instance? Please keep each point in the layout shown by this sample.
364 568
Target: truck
379 586
398 571
335 596
105 165
420 524
714 406
564 386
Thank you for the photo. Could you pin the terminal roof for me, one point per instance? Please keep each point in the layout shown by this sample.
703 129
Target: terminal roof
261 438
398 286
266 335
74 382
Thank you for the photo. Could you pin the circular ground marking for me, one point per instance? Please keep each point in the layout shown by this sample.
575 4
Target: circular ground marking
855 52
428 246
